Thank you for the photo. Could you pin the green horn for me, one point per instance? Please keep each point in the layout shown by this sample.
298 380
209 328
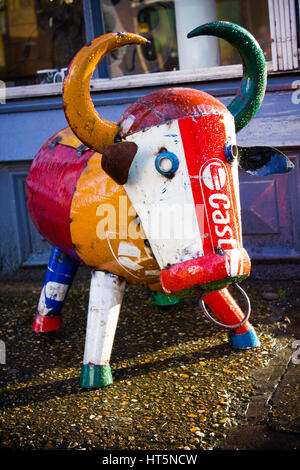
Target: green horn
253 85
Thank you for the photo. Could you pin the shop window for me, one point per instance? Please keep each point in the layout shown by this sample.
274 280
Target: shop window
166 24
38 38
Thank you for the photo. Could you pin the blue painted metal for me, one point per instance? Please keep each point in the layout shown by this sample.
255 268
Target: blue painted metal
167 156
263 161
278 164
61 271
229 151
246 340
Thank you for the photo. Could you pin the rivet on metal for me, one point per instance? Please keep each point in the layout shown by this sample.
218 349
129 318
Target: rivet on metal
231 152
168 158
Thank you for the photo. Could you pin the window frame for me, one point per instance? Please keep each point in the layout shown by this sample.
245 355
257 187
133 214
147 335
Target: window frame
94 26
135 81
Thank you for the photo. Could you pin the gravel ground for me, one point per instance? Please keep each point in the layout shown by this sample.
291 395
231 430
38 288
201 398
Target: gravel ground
178 384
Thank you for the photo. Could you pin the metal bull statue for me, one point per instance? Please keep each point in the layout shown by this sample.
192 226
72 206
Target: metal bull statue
94 186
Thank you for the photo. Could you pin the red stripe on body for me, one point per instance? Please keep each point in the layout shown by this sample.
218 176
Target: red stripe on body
204 140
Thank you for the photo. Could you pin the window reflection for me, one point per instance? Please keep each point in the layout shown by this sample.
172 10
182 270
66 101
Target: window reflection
254 16
166 24
38 35
39 38
153 20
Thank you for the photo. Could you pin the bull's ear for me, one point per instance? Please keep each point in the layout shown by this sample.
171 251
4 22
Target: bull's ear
263 161
116 160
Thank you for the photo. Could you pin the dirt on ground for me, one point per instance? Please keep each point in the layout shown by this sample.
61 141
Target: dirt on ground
178 383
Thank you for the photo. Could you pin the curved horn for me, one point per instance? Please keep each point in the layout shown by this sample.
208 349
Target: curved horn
81 115
253 85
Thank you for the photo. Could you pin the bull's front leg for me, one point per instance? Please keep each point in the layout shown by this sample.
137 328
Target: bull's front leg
59 276
106 294
228 312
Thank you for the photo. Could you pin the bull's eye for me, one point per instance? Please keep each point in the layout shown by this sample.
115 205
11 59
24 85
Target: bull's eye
166 163
231 152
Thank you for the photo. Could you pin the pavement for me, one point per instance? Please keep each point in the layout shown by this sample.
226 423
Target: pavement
272 420
178 384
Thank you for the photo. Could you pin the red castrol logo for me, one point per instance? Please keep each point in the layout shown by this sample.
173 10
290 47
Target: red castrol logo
217 187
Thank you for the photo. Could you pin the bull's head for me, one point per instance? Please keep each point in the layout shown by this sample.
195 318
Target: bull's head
177 148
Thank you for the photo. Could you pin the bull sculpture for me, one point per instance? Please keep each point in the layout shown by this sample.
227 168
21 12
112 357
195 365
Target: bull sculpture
174 148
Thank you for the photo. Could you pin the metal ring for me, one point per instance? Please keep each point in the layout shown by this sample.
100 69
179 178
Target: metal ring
168 156
202 305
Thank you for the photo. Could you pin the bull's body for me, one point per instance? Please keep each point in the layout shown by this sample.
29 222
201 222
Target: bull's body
70 196
174 146
86 214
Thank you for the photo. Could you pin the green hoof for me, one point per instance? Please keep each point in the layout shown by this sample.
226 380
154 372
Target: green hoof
95 376
163 300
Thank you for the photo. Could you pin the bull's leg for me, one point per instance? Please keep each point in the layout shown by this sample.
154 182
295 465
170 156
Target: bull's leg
58 279
106 294
227 311
163 300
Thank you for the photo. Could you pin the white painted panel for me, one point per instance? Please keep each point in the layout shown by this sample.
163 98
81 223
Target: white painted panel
282 5
106 293
278 34
283 30
273 34
294 38
288 33
165 206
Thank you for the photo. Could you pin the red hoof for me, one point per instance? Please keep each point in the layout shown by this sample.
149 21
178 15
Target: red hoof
43 324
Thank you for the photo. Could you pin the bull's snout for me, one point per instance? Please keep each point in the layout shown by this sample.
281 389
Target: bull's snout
210 272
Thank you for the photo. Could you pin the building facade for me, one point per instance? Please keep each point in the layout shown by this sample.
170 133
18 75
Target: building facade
39 38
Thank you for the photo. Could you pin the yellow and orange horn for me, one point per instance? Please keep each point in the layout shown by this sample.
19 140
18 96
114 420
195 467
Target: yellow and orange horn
89 127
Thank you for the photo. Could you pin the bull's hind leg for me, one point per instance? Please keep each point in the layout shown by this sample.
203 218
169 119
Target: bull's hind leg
106 294
163 300
227 311
58 279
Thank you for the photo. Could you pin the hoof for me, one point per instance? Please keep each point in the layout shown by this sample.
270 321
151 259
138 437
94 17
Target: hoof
95 376
246 340
42 324
163 300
